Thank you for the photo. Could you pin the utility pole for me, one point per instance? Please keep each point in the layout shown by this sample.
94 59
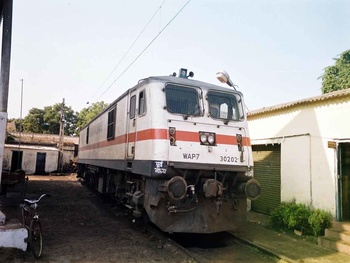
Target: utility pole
5 72
61 136
19 165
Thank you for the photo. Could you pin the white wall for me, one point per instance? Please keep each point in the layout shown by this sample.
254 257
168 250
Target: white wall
296 169
29 159
308 166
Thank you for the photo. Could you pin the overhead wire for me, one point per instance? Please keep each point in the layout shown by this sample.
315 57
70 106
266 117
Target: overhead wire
125 54
145 48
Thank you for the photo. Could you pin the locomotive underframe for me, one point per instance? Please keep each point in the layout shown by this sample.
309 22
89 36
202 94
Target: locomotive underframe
182 200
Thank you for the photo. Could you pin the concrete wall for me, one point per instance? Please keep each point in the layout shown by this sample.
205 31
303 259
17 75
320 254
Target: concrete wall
308 165
68 154
296 169
29 158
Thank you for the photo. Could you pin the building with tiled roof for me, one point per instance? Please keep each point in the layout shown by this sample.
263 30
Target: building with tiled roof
38 153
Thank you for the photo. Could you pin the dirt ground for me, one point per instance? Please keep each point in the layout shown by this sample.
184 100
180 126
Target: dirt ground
79 227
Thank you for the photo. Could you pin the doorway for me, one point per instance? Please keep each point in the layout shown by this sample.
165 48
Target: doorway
267 170
131 127
343 213
16 161
40 163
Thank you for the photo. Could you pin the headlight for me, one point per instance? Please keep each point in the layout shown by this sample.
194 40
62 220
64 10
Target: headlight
211 139
203 138
207 138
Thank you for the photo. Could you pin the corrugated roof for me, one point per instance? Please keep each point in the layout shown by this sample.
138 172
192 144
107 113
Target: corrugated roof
323 97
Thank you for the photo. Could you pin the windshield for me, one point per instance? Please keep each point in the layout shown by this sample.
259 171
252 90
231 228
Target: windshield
182 100
225 105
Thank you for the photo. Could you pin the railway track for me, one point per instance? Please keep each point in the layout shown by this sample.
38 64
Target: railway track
232 249
201 248
166 239
207 248
218 247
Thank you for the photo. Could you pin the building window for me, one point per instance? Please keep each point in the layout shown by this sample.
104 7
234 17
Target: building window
111 124
142 103
132 106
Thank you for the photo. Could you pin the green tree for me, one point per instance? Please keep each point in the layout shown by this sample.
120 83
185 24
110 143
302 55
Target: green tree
34 121
87 114
47 120
337 77
52 117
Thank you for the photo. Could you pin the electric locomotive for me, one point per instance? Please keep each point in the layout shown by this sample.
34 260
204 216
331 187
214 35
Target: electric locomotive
176 149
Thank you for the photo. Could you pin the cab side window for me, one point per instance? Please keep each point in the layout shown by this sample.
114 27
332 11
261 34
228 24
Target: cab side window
111 124
132 106
87 135
142 103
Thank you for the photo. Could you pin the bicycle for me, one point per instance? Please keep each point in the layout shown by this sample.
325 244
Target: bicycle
32 223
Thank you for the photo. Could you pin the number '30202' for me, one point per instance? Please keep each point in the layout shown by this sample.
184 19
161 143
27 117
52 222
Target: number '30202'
228 159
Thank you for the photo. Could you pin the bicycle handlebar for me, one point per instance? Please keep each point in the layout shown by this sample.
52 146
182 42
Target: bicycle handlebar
35 201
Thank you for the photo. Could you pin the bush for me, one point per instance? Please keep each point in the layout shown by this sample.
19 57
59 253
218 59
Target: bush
293 216
319 220
298 218
277 216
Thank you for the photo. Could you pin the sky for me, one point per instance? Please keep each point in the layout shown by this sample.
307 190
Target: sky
87 51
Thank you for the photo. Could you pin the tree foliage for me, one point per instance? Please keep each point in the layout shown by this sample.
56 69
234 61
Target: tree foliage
52 117
34 121
47 120
337 76
87 114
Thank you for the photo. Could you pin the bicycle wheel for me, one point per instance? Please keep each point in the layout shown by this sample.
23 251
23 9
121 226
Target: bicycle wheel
36 238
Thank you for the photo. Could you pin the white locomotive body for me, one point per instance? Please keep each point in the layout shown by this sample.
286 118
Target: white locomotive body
176 148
